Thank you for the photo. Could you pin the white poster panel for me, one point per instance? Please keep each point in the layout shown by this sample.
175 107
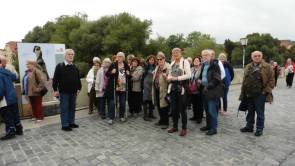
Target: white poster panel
52 54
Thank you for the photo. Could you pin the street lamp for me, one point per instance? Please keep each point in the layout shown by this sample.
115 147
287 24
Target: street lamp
244 42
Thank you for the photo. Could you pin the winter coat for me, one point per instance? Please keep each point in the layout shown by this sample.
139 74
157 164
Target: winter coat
136 77
148 82
36 82
7 84
100 86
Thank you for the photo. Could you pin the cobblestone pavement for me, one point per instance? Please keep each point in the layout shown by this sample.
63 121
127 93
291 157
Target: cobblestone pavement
137 142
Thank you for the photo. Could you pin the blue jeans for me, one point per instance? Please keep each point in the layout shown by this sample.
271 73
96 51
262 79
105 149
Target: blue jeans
256 104
67 108
122 106
210 107
11 117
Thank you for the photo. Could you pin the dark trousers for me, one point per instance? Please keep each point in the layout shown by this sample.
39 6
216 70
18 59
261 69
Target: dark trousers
93 101
112 105
289 79
134 102
36 104
210 106
10 115
149 104
178 106
276 79
224 99
197 106
163 112
102 106
67 108
256 104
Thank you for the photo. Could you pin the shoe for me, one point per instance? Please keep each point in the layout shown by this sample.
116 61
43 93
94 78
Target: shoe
246 129
193 119
158 124
67 128
90 112
122 119
258 133
172 130
103 117
19 130
205 128
147 119
211 132
8 136
110 122
74 125
33 119
164 127
152 116
183 132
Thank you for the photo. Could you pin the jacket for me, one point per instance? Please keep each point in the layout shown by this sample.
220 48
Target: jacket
7 83
90 79
100 82
268 80
163 86
36 82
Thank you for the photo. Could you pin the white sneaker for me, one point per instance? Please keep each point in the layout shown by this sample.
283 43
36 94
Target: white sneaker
33 119
110 122
123 119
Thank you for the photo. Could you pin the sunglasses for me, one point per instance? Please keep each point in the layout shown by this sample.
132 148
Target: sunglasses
159 59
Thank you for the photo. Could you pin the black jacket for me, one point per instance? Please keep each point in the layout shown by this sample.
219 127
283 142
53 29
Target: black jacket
66 79
215 86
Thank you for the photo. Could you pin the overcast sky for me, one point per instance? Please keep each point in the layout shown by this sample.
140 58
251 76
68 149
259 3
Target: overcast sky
221 19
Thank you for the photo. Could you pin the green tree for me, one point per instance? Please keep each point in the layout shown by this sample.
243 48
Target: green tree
229 46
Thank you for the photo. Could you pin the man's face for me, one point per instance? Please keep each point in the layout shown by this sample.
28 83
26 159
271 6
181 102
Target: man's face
256 57
206 57
70 56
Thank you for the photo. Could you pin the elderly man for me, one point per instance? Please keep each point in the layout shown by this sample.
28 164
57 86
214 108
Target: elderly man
8 102
67 85
256 89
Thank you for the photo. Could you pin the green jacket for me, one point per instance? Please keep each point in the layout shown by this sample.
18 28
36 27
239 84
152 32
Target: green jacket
268 80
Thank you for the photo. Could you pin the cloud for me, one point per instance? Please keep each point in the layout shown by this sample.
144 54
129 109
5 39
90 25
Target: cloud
221 18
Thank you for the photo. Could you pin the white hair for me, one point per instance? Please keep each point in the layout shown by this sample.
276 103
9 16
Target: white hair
96 60
69 50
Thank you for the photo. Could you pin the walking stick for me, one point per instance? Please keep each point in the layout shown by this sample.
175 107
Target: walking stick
115 99
126 102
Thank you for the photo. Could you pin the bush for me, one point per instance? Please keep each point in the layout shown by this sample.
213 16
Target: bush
83 68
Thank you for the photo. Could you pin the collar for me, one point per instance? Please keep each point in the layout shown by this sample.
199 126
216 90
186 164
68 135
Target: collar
67 63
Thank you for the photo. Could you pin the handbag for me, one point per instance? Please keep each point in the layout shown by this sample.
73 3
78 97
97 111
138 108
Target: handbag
44 90
192 87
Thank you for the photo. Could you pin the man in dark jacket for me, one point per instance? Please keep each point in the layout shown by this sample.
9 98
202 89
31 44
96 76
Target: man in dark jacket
67 85
8 102
256 89
210 79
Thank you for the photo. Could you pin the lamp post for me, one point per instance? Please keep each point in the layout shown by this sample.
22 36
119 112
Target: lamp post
244 42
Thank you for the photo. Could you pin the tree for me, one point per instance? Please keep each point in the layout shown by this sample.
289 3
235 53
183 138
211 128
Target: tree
229 46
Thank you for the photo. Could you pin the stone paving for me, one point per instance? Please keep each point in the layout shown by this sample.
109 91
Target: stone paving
137 142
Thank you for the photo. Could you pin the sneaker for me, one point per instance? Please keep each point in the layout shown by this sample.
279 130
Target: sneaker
39 121
74 125
246 129
110 122
205 128
8 136
33 119
211 132
66 128
183 132
258 133
172 130
122 119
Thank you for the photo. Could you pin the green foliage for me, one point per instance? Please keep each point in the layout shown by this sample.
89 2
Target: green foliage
229 46
83 68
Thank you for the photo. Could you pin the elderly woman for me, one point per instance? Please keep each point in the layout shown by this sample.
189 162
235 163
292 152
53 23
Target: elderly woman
147 88
194 91
229 76
101 83
33 82
179 74
135 87
91 77
289 69
160 88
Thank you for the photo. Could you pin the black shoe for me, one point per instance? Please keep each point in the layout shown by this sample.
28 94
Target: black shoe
19 130
158 124
211 132
74 125
152 116
205 128
164 127
8 136
103 117
258 133
67 128
246 129
147 119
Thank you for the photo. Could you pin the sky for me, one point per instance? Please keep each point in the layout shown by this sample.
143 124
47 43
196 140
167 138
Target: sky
222 19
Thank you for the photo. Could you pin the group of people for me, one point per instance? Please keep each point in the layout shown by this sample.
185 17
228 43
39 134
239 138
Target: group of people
169 86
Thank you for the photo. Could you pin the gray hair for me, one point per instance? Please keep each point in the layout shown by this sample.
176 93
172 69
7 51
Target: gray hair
161 54
96 60
69 50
